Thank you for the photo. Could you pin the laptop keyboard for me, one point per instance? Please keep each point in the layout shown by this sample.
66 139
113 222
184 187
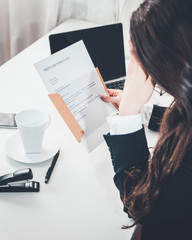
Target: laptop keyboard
116 85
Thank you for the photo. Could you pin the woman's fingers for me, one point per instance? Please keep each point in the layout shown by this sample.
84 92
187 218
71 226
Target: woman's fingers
114 96
110 99
113 92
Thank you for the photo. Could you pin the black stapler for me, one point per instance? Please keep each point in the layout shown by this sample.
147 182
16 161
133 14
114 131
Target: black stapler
7 185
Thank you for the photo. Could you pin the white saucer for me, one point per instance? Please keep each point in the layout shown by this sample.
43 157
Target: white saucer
15 151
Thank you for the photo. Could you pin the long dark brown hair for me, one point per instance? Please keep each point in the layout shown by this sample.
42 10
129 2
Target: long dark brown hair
161 34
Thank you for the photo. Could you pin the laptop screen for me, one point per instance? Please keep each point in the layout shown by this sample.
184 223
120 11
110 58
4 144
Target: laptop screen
104 44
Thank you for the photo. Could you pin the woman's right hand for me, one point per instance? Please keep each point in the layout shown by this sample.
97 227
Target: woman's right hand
114 97
137 90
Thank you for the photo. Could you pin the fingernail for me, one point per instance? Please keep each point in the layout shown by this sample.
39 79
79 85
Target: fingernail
103 96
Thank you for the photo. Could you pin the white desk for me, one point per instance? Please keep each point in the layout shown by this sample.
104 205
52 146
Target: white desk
80 202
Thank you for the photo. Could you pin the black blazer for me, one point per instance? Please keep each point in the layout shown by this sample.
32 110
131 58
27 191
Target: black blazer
171 215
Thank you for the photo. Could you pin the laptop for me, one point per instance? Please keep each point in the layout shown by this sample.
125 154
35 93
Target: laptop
105 46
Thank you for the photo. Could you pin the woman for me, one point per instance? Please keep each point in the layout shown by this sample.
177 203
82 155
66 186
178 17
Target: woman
156 190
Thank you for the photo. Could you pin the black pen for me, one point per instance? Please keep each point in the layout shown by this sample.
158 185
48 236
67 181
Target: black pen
50 170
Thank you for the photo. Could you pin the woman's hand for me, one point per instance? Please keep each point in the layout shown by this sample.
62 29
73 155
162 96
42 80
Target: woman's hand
137 90
113 97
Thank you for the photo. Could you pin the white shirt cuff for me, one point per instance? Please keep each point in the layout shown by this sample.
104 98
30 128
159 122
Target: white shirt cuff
124 124
129 124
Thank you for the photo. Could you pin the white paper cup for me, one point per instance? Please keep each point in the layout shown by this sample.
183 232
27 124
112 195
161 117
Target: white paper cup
32 124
